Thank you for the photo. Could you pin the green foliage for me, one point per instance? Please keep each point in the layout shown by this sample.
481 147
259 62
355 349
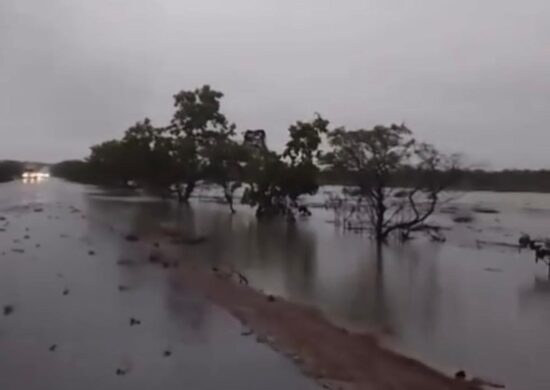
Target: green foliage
374 160
74 170
197 126
10 170
275 182
199 145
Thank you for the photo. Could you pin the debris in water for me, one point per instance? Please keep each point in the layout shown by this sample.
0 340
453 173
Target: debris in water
120 371
134 321
66 291
242 279
8 309
123 288
131 237
460 375
154 258
491 269
485 210
463 219
53 347
18 250
167 353
91 253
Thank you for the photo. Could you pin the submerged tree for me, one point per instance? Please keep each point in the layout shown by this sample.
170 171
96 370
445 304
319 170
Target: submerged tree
197 125
276 181
10 170
224 166
375 161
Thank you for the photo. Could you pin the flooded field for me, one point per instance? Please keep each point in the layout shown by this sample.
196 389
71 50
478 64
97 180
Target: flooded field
68 305
472 303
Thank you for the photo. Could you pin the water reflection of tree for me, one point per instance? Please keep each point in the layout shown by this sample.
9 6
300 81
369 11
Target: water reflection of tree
536 296
187 310
393 289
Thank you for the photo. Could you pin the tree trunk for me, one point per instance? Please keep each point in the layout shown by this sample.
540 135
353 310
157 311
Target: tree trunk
179 193
229 199
379 232
189 187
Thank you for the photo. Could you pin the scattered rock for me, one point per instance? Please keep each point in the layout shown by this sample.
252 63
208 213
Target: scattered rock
123 288
156 245
485 210
460 375
37 245
270 298
8 309
53 347
91 253
38 210
131 238
463 219
120 371
491 269
18 250
247 332
26 237
2 218
167 353
134 321
154 258
66 291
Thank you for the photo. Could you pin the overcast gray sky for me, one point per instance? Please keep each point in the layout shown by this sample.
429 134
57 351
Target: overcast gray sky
470 76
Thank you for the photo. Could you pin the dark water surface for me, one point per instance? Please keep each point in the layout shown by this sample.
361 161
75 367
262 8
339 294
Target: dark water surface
88 329
461 305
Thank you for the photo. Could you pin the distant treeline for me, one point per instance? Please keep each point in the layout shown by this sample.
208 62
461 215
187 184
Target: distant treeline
508 180
10 170
468 180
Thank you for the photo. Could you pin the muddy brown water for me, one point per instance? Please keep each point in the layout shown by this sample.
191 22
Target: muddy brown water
466 304
70 325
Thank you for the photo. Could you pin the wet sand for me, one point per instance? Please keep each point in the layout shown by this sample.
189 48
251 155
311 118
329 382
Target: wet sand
335 357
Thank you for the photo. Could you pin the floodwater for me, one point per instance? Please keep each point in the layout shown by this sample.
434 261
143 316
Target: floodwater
70 324
472 303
